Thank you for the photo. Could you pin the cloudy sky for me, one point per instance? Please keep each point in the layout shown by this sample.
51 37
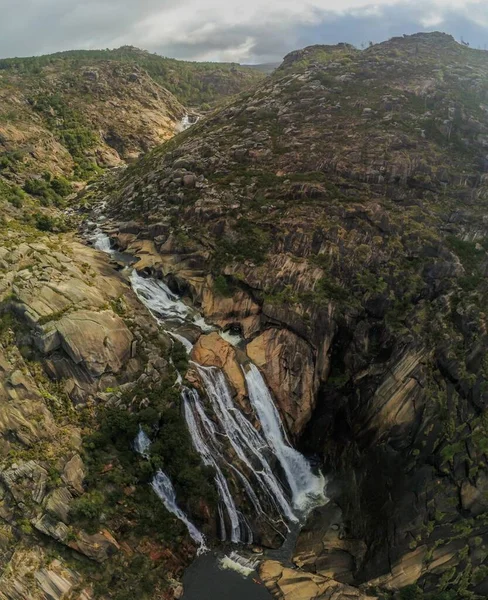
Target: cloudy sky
247 31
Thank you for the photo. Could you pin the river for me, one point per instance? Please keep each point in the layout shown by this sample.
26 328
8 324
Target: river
242 455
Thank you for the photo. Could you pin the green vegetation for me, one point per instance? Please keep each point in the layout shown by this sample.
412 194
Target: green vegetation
223 286
12 194
48 222
114 467
70 127
472 255
193 83
49 190
251 242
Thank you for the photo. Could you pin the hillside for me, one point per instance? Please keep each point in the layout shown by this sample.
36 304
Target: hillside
65 118
335 216
193 83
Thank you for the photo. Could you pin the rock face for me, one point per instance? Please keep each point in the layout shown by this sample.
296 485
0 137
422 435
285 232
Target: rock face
64 312
287 362
98 340
73 113
212 351
290 584
341 211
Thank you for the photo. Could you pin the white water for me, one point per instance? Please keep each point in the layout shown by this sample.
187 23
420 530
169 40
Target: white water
101 241
186 122
158 298
186 343
142 443
199 430
234 339
252 449
236 562
163 487
307 489
248 444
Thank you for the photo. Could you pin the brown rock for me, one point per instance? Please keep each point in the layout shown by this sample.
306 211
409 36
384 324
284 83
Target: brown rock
74 474
291 584
99 340
212 351
288 365
239 308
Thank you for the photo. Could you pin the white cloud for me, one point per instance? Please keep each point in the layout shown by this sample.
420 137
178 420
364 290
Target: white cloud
248 30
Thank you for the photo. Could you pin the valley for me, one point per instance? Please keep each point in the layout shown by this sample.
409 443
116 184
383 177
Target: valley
275 316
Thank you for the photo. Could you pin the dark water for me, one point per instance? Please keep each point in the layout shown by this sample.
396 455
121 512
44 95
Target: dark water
205 580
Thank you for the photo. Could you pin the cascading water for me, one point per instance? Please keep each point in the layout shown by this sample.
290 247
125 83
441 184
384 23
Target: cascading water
209 453
254 452
187 121
101 241
142 443
307 489
163 487
248 444
158 298
186 343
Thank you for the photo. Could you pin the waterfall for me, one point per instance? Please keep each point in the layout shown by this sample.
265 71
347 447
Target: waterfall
142 443
201 428
101 241
163 487
186 343
186 122
254 452
307 489
158 298
248 444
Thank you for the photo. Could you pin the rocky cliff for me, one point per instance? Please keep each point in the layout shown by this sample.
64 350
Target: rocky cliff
335 218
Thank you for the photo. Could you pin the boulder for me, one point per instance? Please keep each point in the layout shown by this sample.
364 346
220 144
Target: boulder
99 340
74 474
58 503
292 584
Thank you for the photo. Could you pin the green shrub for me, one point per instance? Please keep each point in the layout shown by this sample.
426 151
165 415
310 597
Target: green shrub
61 186
88 509
223 287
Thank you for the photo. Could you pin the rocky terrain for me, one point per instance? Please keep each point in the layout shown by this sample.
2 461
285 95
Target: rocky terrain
83 362
334 217
75 344
65 118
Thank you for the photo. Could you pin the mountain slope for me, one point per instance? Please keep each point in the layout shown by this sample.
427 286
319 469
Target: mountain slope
73 114
336 217
74 120
193 83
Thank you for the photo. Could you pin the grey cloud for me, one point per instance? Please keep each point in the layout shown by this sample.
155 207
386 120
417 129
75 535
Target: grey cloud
41 26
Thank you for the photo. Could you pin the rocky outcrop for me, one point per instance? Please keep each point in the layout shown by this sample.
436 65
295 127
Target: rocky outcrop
212 351
238 309
100 341
291 584
324 548
341 212
35 576
288 364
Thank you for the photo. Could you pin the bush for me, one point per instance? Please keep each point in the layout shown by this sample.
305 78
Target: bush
88 509
12 193
61 186
45 222
223 287
180 357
